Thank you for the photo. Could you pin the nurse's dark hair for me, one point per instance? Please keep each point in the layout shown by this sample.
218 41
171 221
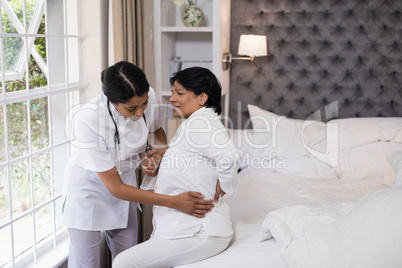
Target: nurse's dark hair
201 80
122 81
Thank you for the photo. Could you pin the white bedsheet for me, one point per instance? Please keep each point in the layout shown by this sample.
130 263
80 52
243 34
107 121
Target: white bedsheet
259 192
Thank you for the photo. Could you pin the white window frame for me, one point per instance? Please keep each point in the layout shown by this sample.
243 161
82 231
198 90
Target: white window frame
18 73
56 243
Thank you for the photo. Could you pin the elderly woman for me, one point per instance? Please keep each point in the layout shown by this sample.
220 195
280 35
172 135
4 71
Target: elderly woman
199 158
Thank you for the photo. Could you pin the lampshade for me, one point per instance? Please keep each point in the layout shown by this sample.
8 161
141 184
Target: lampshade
253 45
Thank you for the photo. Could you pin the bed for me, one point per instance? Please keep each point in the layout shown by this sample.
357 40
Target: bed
315 194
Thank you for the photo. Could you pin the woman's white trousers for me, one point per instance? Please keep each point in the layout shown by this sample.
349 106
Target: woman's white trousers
160 252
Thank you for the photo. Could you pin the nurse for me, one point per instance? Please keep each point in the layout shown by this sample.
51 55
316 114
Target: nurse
100 187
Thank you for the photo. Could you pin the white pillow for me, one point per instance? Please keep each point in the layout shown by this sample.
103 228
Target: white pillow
363 146
366 161
365 130
252 145
296 147
289 137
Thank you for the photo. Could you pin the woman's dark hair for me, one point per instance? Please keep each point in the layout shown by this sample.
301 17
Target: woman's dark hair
122 81
199 80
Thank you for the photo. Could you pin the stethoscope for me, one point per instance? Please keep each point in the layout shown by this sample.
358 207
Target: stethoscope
148 148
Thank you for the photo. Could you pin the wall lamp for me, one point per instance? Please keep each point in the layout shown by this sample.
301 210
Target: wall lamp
250 45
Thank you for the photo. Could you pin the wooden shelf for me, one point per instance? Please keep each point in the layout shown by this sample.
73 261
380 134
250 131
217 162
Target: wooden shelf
186 29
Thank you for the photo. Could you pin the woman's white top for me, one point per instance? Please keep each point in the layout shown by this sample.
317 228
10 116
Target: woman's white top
199 155
88 204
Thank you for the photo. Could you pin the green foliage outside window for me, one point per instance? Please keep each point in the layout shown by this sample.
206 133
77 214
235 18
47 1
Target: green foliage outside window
18 121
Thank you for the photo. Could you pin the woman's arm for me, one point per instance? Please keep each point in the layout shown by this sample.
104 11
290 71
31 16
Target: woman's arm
189 202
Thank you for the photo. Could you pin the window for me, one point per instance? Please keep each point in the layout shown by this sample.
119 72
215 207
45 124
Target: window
40 80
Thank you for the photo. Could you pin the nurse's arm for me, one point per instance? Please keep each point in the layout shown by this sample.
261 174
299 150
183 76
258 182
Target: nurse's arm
158 139
191 203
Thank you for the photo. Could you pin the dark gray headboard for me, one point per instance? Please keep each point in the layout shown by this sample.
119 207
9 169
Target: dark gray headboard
320 51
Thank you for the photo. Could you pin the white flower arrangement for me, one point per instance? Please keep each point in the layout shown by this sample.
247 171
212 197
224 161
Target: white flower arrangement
180 3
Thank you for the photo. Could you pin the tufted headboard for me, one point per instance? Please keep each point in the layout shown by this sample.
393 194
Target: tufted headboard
319 52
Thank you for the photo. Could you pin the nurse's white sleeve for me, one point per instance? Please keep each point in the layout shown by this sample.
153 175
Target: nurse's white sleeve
92 148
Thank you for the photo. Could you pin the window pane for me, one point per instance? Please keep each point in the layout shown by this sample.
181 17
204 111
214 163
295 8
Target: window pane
31 5
5 242
4 197
40 45
20 187
39 123
38 60
56 16
2 136
58 108
13 50
17 129
23 234
38 66
8 26
59 214
44 222
42 177
17 8
1 83
60 156
56 50
74 69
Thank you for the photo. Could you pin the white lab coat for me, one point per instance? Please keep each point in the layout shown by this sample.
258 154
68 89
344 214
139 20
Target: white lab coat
199 155
88 205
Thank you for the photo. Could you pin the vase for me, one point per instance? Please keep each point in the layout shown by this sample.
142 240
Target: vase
192 16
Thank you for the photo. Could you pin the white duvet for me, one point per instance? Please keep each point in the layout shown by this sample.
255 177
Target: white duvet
260 192
366 232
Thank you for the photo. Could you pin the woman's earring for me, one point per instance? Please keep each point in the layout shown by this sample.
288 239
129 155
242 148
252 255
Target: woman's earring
202 103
